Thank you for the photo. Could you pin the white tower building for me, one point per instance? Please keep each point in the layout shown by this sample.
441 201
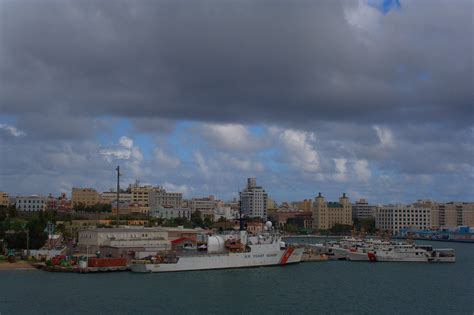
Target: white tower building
253 200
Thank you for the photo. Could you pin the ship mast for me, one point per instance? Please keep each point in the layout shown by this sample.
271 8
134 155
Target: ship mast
118 193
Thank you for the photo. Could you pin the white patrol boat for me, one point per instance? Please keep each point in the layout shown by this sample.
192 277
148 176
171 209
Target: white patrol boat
235 250
399 252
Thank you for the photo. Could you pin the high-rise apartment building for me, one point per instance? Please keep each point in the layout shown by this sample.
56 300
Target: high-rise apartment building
327 214
253 200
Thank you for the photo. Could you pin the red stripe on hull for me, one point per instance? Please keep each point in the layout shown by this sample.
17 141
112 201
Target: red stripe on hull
287 255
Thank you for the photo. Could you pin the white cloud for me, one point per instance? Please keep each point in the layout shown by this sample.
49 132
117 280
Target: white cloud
362 17
385 136
361 170
12 130
184 189
115 153
299 149
231 137
124 150
243 164
341 169
136 154
202 164
166 160
126 142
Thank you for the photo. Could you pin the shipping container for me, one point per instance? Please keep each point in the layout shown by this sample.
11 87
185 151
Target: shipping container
107 262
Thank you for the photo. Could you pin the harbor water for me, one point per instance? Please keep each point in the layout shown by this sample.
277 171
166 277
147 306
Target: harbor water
333 287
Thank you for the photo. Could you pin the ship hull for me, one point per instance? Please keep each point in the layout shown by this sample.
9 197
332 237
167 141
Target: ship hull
358 256
339 252
225 261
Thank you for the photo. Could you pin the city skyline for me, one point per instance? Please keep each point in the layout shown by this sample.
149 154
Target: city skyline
110 195
199 99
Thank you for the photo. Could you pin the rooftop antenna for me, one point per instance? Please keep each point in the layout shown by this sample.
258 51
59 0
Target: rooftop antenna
118 193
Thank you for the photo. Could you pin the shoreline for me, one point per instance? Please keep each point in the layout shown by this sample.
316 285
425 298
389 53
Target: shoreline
18 265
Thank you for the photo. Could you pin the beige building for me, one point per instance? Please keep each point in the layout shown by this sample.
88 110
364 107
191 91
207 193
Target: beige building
85 196
305 205
327 214
140 194
203 204
206 206
271 205
142 198
160 197
452 214
110 197
4 199
394 218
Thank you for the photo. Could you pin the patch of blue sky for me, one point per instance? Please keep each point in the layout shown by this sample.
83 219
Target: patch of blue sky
269 158
183 142
145 143
118 128
123 127
257 130
423 76
385 6
8 119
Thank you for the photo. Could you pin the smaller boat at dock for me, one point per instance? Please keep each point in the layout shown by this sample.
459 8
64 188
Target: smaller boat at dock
314 253
377 250
400 252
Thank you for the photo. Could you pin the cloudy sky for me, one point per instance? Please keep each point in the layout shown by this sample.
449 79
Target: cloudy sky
370 97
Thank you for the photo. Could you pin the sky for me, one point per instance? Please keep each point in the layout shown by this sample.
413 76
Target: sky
369 97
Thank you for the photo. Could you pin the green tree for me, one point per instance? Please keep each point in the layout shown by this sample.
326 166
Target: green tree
207 222
222 219
37 234
290 228
368 225
341 228
196 219
8 212
14 232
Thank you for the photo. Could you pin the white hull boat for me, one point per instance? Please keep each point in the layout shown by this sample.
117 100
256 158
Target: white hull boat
225 251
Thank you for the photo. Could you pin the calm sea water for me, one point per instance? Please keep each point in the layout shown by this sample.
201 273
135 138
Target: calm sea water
334 287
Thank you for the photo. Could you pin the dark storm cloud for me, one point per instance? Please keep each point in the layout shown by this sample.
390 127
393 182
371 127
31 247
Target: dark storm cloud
237 61
71 70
